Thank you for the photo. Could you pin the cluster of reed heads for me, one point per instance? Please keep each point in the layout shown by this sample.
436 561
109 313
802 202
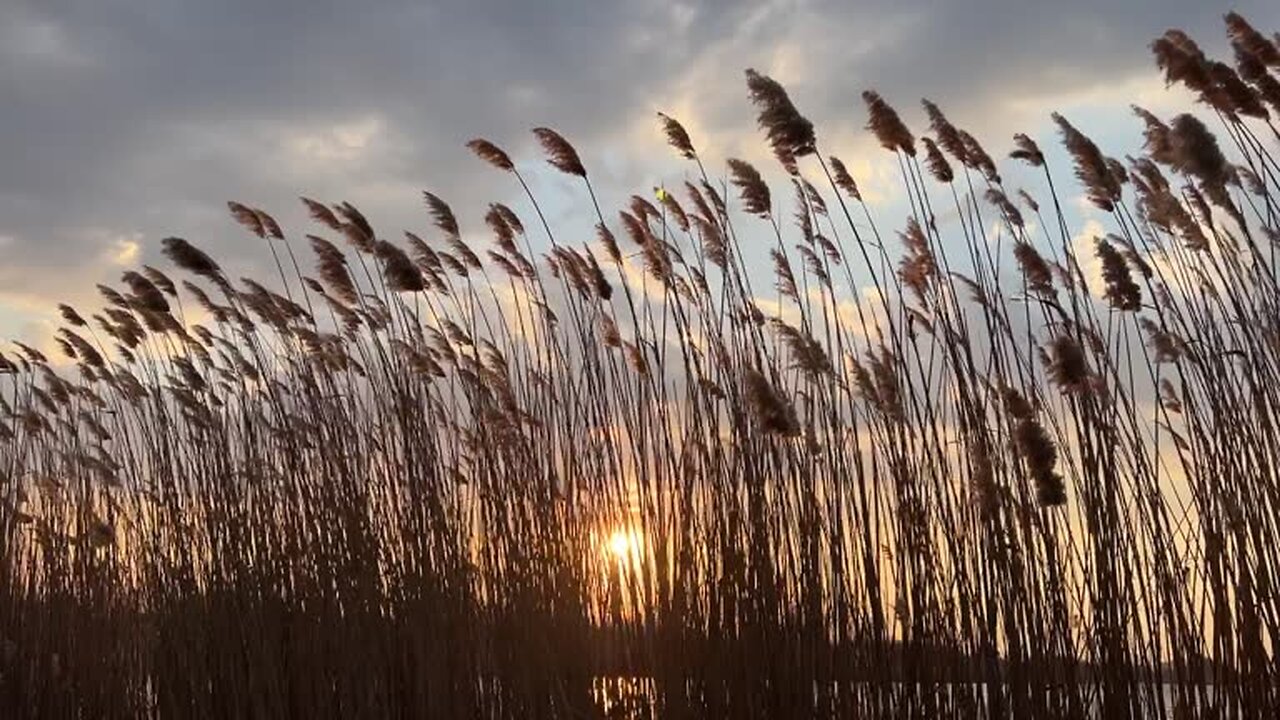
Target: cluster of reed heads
980 466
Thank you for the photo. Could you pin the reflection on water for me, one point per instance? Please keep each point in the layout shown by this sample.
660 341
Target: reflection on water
637 698
624 697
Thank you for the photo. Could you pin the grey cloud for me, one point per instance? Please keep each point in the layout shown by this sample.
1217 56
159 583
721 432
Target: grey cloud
143 116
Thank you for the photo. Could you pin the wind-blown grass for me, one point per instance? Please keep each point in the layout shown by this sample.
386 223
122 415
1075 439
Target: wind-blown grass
937 473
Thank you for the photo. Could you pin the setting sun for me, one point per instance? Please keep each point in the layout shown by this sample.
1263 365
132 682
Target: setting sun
623 544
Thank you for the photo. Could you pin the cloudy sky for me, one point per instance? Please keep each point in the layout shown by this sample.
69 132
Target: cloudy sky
126 121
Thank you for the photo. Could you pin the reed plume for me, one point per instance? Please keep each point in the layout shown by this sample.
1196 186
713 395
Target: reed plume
491 154
677 137
789 134
1091 166
885 124
560 154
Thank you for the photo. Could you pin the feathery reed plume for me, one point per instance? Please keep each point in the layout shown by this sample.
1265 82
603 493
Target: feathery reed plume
888 389
453 264
610 243
803 214
332 266
572 268
269 225
786 279
83 349
1155 136
193 260
657 260
1238 97
560 154
769 406
1194 151
645 210
918 266
716 200
504 235
1041 456
1091 166
491 154
498 259
1011 213
1253 71
636 229
1035 270
113 297
948 136
1068 368
1029 201
322 214
978 158
604 290
609 332
714 247
248 218
145 294
424 257
67 350
356 229
814 197
443 218
677 137
1182 62
885 124
1025 149
813 264
1166 346
70 315
441 214
509 217
160 280
843 179
31 353
635 358
1118 172
1252 41
807 353
936 163
1121 291
674 210
1251 181
1162 209
751 187
700 202
789 134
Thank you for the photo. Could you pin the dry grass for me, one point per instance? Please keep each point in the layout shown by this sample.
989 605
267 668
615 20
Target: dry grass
398 490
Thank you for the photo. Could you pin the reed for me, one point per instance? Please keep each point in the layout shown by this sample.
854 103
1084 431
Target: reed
941 473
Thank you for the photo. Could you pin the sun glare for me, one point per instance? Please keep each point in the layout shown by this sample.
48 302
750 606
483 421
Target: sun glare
623 544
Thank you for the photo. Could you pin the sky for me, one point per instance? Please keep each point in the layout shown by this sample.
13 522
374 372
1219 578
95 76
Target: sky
128 121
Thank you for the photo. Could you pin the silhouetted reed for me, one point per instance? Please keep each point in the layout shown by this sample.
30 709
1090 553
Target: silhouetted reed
974 468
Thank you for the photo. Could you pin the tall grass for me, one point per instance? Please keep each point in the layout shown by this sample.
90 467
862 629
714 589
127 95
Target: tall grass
937 472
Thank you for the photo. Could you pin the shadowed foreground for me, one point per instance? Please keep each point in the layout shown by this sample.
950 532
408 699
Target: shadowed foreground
975 467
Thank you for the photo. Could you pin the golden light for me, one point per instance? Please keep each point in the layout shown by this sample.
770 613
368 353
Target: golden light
623 544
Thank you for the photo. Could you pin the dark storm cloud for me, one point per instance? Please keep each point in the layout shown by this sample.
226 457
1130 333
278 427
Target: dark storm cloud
129 120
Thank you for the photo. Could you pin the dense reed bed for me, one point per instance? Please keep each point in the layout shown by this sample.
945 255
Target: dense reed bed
960 468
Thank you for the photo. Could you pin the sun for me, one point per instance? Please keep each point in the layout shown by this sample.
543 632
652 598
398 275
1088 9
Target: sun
623 544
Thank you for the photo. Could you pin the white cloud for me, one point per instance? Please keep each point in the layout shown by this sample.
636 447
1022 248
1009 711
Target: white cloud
124 250
38 40
343 142
1083 245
